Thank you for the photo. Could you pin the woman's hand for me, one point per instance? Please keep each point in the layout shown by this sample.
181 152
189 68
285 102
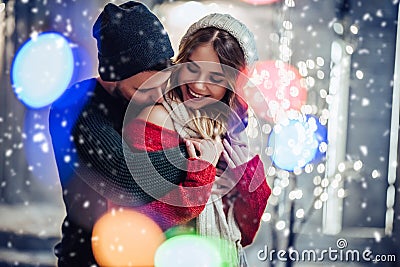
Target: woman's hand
204 149
235 155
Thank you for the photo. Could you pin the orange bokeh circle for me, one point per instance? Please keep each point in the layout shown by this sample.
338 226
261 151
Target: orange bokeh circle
125 238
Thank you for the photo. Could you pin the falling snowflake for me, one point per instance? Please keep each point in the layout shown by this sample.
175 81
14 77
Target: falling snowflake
86 204
364 150
8 152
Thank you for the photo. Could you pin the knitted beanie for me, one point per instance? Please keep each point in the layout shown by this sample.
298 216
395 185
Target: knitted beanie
130 39
234 27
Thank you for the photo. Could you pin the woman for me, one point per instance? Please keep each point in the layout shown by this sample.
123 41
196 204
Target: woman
204 110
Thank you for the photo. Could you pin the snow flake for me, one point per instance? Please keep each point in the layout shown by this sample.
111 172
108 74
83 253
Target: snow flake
67 158
280 225
39 137
375 174
8 152
359 74
69 28
377 236
300 213
365 102
364 150
266 217
86 204
367 16
45 147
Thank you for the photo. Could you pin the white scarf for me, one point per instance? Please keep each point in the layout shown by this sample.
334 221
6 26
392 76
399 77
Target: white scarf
212 221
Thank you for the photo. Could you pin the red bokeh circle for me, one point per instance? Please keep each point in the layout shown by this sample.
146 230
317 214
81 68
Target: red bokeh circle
273 88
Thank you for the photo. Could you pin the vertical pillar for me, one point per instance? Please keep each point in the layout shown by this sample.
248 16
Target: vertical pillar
337 134
394 139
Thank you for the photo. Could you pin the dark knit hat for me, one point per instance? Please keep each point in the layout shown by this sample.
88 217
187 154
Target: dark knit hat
130 39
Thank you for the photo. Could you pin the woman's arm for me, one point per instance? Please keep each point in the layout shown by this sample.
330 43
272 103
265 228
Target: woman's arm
251 191
250 202
185 202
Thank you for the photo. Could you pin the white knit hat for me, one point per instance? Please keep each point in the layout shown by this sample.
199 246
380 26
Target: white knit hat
236 28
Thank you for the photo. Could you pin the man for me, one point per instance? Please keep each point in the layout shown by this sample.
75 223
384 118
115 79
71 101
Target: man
86 125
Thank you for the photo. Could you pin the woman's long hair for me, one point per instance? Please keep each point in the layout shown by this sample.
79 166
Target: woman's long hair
230 113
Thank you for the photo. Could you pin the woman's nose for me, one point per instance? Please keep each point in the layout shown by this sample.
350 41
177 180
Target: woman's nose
200 85
201 82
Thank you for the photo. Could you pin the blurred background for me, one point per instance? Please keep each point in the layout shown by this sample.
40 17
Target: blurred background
326 75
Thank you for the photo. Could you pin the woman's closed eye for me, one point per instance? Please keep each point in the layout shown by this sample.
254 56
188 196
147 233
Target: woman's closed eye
216 78
192 67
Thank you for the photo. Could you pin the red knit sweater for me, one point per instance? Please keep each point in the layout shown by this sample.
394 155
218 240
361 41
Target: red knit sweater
193 193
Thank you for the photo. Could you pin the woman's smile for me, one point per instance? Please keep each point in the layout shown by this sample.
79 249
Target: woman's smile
192 94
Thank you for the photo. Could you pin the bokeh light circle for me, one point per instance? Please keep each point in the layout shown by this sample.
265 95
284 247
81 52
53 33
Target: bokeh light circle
321 134
296 142
274 88
125 238
42 69
188 250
